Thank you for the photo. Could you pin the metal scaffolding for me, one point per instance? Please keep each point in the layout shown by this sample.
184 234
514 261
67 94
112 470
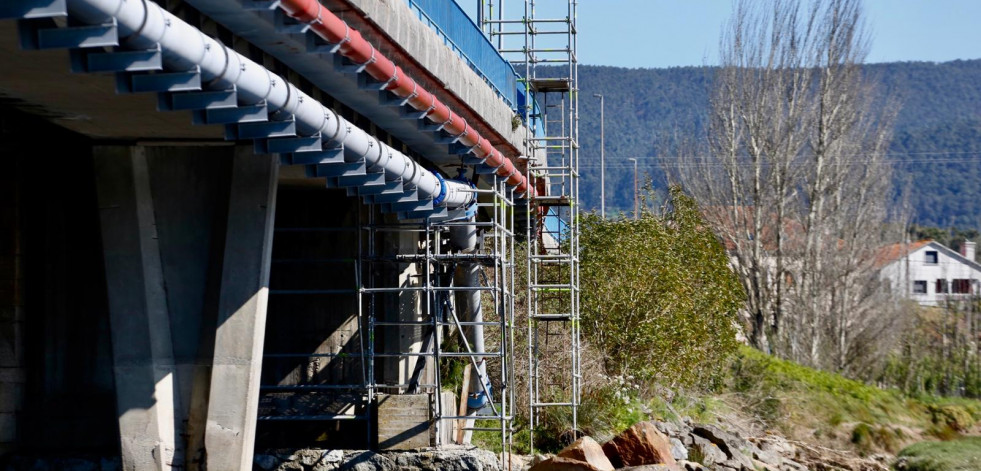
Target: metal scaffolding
544 49
406 329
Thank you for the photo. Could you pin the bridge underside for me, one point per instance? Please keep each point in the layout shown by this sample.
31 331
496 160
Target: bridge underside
148 264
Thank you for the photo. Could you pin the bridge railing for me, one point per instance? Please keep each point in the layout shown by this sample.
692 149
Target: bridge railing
462 35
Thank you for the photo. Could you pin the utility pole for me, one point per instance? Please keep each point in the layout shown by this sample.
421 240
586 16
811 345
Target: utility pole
636 201
602 155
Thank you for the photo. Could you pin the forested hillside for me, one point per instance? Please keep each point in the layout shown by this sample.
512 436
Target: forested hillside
936 145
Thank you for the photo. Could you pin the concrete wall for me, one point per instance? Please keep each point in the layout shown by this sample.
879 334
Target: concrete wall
11 305
61 368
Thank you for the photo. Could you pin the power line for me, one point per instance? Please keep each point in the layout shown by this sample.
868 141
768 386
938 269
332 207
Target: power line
709 162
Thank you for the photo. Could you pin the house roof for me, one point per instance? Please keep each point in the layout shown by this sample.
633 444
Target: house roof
894 252
738 222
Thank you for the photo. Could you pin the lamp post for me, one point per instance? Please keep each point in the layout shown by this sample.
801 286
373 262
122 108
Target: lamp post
602 155
636 206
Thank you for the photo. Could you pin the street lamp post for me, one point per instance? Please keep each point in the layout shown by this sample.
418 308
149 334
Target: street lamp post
636 205
602 155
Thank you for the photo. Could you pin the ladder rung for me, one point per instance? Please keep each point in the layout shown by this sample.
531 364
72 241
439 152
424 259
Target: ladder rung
552 317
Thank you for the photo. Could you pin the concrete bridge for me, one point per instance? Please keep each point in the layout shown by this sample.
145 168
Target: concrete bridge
238 224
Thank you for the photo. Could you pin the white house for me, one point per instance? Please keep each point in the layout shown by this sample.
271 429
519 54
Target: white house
929 272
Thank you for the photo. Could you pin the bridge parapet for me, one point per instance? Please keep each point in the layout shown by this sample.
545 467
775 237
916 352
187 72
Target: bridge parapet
398 25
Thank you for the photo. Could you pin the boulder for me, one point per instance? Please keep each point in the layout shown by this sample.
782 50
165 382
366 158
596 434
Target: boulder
709 452
586 449
653 467
690 466
767 457
730 444
678 450
560 463
639 445
265 462
668 428
308 457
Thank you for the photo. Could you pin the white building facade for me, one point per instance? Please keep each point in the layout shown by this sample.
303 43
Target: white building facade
931 273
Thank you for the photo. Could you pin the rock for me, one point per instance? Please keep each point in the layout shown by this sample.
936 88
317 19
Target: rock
778 445
290 466
653 467
560 463
265 462
723 439
761 466
709 452
668 428
333 456
767 457
730 444
678 450
691 466
638 445
368 461
586 449
308 457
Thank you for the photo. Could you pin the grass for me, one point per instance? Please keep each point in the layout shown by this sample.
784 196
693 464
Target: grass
771 395
807 404
956 455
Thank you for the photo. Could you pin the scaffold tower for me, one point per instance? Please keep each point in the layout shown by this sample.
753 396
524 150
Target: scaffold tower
541 44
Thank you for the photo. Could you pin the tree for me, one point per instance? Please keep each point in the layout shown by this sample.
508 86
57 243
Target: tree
795 182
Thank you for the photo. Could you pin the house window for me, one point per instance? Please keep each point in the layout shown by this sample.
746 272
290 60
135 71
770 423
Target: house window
919 287
931 257
962 286
943 286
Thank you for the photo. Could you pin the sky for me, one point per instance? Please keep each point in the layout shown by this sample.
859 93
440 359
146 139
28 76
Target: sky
669 33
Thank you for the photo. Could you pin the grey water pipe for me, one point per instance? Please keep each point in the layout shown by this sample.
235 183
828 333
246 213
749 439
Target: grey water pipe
464 239
143 24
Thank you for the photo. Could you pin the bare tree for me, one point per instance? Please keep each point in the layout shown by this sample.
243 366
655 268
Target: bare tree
795 181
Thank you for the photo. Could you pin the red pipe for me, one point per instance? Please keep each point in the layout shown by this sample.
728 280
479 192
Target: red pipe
353 46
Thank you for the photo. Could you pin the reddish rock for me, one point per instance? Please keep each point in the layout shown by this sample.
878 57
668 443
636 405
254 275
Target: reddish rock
639 445
560 463
586 449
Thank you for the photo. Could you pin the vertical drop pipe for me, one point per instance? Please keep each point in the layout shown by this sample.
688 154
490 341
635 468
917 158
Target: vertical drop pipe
464 239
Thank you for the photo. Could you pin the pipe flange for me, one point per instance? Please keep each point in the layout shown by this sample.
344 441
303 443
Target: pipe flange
442 189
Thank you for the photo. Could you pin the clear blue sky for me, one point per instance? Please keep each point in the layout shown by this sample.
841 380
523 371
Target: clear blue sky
666 33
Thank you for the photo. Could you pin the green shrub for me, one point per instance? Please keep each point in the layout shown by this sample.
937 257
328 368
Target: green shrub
956 417
658 295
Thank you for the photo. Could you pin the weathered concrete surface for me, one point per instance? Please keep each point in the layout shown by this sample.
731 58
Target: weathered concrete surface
234 394
142 347
403 421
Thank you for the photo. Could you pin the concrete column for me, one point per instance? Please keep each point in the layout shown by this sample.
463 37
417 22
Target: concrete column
11 309
234 396
143 363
